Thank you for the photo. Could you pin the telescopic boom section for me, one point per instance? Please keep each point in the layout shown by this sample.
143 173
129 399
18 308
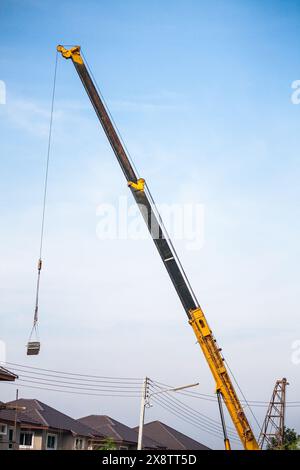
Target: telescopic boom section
167 253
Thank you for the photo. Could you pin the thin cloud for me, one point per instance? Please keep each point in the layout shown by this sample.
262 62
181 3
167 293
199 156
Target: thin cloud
33 117
165 101
140 106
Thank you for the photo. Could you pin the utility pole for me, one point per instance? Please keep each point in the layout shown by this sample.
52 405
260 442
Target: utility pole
145 401
142 413
16 420
272 431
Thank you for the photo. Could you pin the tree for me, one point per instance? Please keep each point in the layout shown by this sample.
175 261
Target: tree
108 444
291 441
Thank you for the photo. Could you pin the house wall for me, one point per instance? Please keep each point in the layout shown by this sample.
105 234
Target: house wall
45 437
65 440
37 439
68 442
5 444
3 439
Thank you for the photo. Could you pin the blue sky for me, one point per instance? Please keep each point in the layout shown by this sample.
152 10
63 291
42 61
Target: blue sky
201 92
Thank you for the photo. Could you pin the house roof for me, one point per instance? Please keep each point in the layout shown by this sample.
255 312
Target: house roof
6 375
110 427
21 416
170 437
49 417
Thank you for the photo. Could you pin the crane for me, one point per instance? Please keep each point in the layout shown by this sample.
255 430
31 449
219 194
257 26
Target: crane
224 387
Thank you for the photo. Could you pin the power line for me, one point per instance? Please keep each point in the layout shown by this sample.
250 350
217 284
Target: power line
189 415
254 404
189 411
170 397
79 386
72 393
113 383
75 388
128 381
212 398
157 400
76 374
160 401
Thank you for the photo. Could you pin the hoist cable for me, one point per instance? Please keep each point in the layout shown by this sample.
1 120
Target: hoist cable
110 115
173 250
35 319
241 391
152 202
48 157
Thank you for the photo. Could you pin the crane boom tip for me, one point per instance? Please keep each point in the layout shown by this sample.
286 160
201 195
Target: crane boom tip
73 53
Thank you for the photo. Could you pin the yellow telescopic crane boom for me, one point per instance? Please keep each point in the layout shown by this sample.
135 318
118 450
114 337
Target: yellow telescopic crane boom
196 317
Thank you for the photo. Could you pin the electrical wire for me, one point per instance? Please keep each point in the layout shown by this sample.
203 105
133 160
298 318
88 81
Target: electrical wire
212 398
51 384
75 374
161 402
192 412
78 379
71 392
127 380
196 420
171 397
254 404
110 386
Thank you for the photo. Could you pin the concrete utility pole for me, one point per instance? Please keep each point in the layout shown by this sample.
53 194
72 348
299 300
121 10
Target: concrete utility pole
16 421
142 413
145 401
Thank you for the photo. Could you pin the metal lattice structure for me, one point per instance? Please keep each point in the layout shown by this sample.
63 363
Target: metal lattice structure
272 432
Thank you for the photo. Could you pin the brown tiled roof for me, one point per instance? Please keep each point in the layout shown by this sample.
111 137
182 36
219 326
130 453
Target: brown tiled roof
170 437
49 417
22 417
109 427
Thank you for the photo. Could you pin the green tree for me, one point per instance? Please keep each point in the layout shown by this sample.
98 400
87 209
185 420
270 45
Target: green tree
291 441
108 444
